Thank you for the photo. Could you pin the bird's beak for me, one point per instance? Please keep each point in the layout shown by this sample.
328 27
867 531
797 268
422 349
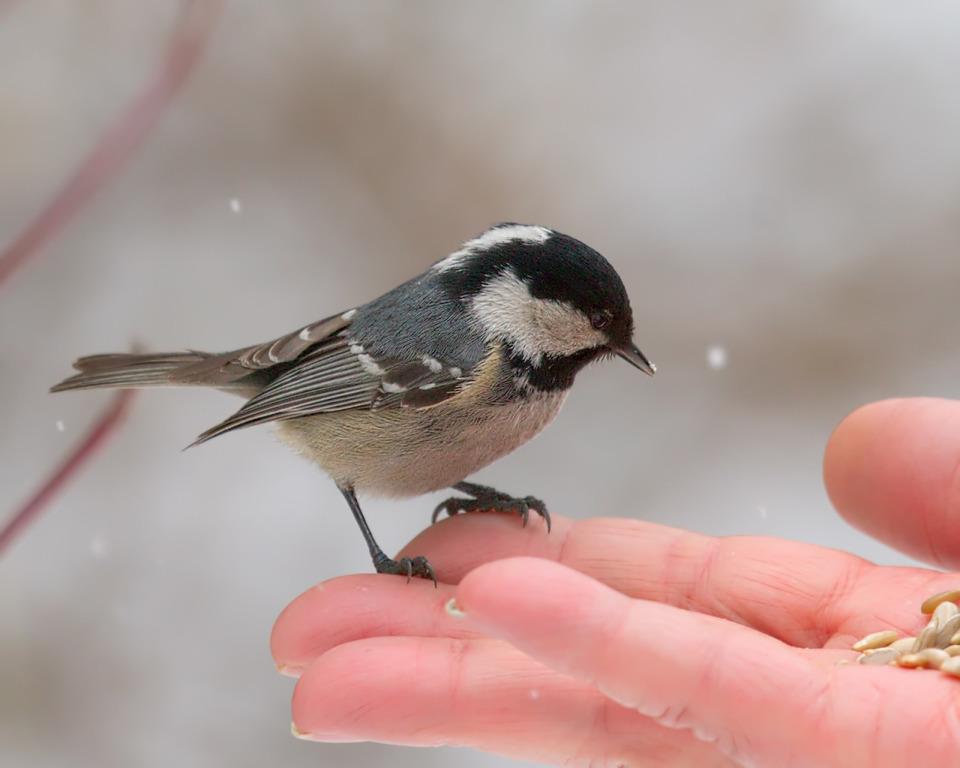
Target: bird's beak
636 358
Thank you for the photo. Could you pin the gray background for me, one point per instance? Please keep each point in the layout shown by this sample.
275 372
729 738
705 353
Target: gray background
781 179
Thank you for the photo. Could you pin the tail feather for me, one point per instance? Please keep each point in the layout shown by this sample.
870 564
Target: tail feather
128 370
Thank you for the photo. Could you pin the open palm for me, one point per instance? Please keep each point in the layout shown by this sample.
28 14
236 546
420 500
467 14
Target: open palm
615 642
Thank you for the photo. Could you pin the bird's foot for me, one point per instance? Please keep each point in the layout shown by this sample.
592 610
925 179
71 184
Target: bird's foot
406 566
494 502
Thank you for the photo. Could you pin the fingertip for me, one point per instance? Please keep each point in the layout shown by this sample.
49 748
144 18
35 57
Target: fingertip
536 603
890 469
843 462
320 706
283 635
523 579
394 690
351 607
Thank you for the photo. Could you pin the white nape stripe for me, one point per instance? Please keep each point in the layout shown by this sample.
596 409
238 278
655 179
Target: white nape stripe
527 233
506 310
348 315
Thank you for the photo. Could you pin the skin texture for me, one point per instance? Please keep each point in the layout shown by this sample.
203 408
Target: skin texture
622 643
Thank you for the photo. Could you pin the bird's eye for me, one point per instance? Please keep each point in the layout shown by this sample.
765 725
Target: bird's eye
600 319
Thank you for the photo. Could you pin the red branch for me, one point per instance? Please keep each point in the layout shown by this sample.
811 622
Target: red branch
111 418
195 22
118 142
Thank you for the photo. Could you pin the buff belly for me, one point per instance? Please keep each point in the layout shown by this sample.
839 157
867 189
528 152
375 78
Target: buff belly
408 452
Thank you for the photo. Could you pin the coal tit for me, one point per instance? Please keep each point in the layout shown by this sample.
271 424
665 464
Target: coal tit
420 388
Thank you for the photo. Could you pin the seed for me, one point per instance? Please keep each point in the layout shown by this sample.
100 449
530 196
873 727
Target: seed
951 667
937 646
930 604
926 639
903 645
928 657
948 629
878 657
944 612
935 657
876 640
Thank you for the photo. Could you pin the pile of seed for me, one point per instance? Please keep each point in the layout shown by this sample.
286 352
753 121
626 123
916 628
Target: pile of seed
936 647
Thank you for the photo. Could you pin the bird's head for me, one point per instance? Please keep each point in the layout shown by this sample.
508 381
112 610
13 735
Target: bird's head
553 302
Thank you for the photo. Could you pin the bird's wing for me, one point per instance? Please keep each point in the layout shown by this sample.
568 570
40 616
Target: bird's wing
339 373
269 358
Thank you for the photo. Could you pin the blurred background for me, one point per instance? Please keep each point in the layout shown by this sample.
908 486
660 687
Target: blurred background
777 183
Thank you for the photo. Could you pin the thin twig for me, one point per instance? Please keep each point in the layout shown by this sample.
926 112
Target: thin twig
118 142
106 425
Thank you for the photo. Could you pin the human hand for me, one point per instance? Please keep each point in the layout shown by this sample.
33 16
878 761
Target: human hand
623 643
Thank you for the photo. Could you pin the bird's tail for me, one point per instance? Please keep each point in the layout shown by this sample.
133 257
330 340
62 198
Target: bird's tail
129 370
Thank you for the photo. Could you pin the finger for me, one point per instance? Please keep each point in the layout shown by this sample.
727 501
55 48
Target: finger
478 693
892 469
355 607
456 545
803 594
762 701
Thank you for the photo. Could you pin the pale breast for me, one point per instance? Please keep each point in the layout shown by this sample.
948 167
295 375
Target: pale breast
407 452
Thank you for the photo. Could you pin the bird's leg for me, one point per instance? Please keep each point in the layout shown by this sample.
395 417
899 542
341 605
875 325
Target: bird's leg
486 499
405 566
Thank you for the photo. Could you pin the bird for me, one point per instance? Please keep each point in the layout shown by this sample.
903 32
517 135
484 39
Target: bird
416 390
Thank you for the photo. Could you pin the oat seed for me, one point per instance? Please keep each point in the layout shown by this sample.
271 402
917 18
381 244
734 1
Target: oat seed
937 646
876 640
947 630
903 645
926 639
930 604
931 658
951 667
944 612
879 657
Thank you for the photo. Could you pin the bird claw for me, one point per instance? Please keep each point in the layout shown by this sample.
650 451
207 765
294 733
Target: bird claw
451 506
408 566
499 502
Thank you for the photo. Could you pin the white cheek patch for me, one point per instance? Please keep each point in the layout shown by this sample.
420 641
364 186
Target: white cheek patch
496 236
506 310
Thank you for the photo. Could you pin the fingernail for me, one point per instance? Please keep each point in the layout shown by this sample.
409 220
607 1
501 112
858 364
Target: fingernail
329 738
298 734
454 610
288 671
